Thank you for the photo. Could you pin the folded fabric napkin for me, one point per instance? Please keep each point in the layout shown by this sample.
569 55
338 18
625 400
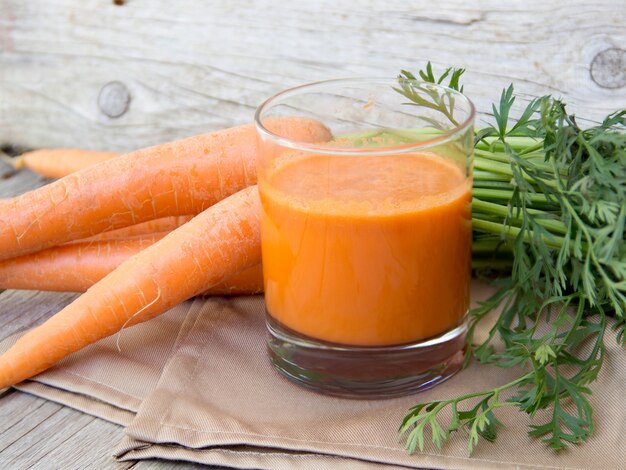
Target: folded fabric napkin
196 384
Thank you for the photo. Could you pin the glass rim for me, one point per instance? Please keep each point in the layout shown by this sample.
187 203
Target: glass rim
445 137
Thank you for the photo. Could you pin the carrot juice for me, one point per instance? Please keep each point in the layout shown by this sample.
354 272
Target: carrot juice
366 235
366 251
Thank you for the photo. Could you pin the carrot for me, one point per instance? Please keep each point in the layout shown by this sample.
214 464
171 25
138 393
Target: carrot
76 266
178 178
248 281
220 242
165 224
73 267
56 163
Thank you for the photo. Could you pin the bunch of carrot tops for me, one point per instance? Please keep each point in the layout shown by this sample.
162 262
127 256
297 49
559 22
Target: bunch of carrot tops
549 211
548 216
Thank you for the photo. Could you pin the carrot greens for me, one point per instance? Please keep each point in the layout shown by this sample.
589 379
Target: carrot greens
548 216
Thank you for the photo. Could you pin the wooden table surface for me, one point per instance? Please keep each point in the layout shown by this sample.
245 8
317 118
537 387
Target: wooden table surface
98 75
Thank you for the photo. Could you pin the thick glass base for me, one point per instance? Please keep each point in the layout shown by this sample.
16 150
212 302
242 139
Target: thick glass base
366 372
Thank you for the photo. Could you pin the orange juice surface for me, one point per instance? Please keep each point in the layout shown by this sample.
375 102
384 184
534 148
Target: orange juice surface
366 251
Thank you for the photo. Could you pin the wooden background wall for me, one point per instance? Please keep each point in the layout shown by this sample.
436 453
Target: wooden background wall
94 74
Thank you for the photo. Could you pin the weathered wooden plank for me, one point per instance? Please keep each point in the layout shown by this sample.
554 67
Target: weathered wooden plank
91 447
37 444
36 433
13 183
15 408
20 310
98 75
23 423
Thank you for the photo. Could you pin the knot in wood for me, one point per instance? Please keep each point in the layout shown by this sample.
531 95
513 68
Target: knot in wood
608 68
114 99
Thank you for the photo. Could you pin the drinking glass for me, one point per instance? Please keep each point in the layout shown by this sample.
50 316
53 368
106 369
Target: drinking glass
366 237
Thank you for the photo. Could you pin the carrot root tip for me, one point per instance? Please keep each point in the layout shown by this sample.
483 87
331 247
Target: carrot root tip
16 163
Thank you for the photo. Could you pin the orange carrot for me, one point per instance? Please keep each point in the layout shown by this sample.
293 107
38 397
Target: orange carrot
220 242
177 178
247 282
76 266
56 163
165 224
73 267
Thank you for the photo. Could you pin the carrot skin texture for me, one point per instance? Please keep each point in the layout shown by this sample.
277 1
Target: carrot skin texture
178 178
221 242
76 266
247 282
60 162
73 267
165 224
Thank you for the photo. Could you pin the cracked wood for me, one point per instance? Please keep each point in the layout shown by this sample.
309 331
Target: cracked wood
189 67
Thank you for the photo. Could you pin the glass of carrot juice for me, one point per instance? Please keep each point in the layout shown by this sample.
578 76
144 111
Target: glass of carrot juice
366 237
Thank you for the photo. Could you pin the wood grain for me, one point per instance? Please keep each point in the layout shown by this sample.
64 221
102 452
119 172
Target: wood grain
33 447
38 434
35 433
21 310
15 412
22 424
13 183
190 66
89 448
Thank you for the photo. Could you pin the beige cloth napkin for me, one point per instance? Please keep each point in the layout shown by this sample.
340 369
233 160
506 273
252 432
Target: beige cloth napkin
111 378
203 390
